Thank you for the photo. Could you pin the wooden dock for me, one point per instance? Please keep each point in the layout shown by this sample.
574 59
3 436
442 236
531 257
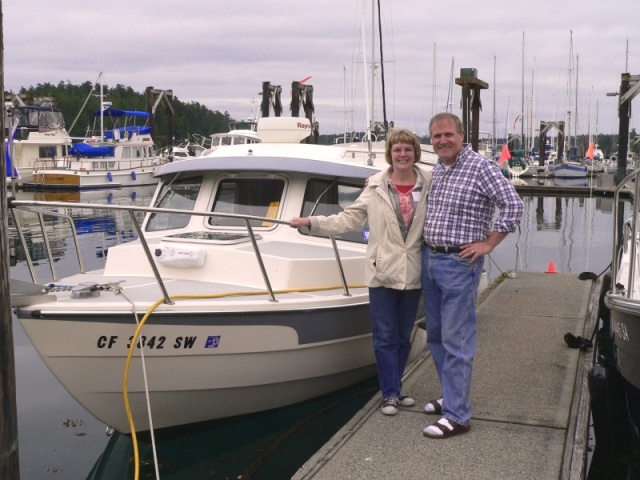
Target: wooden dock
529 396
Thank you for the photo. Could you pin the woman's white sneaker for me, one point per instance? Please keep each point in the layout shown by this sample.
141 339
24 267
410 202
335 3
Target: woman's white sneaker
406 401
390 406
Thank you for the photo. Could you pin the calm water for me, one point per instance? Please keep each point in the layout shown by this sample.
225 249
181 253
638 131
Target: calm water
59 439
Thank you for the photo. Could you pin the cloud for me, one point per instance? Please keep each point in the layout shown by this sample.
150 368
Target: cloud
219 53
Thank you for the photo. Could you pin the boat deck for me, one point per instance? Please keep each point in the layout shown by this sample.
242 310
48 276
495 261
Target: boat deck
529 397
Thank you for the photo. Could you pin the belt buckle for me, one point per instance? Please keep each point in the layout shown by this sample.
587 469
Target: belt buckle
431 247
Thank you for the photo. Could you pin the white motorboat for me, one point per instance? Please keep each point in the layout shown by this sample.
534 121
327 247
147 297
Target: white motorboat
36 133
121 156
221 308
240 133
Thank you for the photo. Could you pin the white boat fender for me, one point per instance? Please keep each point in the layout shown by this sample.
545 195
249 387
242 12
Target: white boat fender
180 256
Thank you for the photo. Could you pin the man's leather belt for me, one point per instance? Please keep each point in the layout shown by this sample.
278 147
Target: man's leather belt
438 249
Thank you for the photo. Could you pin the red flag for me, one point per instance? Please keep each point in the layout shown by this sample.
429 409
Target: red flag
504 155
589 153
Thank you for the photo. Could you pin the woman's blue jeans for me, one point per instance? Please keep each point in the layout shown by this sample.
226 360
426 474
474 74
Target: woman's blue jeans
450 286
393 315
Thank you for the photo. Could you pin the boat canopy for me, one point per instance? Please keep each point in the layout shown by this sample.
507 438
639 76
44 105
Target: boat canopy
115 113
128 131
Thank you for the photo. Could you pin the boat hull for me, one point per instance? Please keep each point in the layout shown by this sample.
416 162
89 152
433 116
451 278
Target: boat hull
213 365
570 170
625 333
52 179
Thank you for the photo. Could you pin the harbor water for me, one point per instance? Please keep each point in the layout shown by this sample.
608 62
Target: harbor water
59 439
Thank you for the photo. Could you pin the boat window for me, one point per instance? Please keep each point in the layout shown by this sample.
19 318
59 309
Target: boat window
48 151
325 197
257 197
180 194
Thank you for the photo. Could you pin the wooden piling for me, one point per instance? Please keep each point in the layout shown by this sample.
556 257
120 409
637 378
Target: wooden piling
9 458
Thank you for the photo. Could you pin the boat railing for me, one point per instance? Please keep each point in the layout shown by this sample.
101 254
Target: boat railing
630 232
52 163
46 208
97 163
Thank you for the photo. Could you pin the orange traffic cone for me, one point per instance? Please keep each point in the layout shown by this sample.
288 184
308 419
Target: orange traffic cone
551 268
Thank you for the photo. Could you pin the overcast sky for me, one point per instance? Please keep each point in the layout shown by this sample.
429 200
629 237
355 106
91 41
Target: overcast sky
218 53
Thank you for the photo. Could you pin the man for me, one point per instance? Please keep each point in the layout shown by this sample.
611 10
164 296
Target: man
466 188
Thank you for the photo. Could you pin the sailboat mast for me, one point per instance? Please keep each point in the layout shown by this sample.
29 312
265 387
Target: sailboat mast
575 121
493 132
373 68
522 117
433 85
384 97
532 109
447 107
101 107
344 101
568 98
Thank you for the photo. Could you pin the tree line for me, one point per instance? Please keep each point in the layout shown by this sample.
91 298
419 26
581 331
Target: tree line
189 117
193 118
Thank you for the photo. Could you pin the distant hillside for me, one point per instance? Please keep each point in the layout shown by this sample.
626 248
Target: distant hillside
189 118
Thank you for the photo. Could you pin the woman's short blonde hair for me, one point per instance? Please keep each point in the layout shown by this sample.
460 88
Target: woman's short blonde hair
401 135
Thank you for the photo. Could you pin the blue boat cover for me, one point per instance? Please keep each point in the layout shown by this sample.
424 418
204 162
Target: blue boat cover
86 150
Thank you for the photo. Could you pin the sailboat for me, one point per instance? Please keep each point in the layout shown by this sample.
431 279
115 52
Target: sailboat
568 168
372 144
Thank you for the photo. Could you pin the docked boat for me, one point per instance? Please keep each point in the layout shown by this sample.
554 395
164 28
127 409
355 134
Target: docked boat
219 308
623 300
569 170
122 155
34 133
519 167
614 380
241 133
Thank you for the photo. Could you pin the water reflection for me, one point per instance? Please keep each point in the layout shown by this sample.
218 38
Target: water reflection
262 446
576 233
97 229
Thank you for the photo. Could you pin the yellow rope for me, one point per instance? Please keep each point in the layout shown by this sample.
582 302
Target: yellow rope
136 335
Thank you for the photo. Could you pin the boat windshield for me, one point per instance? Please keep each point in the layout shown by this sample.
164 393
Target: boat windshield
38 118
257 197
325 197
179 194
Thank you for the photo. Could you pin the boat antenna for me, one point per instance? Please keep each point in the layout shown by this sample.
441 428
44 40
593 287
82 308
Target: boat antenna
366 90
93 88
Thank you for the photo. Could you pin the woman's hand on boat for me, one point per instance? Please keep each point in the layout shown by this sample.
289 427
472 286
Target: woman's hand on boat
299 222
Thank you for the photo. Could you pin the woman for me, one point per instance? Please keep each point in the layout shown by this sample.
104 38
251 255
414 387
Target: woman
394 203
